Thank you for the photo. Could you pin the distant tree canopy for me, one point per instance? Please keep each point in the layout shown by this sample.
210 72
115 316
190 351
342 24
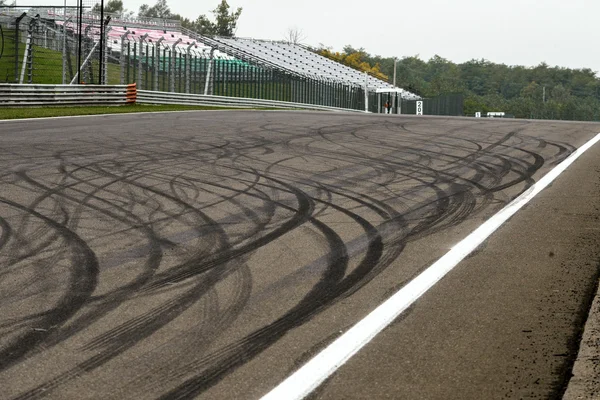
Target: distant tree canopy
225 22
536 92
111 7
357 59
570 94
158 10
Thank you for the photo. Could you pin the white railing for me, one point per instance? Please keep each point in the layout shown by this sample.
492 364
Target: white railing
12 95
150 97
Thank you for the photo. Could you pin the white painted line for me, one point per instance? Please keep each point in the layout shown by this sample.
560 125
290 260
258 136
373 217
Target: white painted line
312 374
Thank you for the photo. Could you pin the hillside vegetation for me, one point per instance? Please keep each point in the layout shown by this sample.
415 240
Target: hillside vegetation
526 92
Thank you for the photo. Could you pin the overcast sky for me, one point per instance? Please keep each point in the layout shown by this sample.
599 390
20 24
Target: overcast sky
514 32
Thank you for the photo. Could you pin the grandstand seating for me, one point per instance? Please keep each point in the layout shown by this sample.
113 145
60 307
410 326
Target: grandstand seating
170 37
303 61
292 58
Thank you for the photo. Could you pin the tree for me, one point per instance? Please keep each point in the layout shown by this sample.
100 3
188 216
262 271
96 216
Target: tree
531 91
202 25
158 10
294 35
560 94
144 10
112 7
354 60
225 22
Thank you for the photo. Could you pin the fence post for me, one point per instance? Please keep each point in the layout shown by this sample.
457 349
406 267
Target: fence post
122 57
103 57
86 62
64 50
17 40
140 63
188 63
208 71
157 62
28 54
87 72
366 92
106 50
173 65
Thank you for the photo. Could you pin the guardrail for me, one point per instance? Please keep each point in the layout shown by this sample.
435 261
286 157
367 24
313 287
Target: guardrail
12 95
151 97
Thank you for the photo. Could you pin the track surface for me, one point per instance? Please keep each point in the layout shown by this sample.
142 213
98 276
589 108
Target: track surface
210 254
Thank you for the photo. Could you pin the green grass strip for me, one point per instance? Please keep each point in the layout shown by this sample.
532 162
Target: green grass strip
41 112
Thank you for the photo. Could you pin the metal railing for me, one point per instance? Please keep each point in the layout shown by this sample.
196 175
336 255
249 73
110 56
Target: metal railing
44 51
12 95
66 95
152 97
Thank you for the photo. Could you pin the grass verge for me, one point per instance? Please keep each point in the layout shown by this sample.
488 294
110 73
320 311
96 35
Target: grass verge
40 112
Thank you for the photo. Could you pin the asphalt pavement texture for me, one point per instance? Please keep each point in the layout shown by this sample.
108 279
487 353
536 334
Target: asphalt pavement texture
211 254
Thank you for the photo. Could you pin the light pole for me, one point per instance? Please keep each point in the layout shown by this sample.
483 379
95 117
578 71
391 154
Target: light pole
395 64
101 60
80 33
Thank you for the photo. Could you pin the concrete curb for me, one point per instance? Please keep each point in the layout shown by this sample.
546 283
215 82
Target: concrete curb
585 383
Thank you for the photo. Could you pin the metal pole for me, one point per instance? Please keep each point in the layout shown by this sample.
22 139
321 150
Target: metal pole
64 52
395 64
366 92
140 85
79 32
101 61
173 64
157 62
27 54
88 73
122 57
188 67
85 63
17 23
208 71
544 95
104 80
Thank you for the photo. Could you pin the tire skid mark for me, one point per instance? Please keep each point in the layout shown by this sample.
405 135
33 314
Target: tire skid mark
205 203
333 285
82 283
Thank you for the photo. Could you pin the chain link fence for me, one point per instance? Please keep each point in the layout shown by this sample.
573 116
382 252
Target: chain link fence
451 105
44 47
62 46
196 69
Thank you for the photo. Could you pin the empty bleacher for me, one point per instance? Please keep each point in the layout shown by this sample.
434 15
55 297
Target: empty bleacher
299 60
129 33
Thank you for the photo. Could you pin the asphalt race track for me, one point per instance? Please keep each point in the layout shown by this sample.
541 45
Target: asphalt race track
211 254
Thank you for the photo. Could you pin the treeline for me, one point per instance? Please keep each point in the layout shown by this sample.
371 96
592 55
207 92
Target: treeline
223 23
356 59
525 92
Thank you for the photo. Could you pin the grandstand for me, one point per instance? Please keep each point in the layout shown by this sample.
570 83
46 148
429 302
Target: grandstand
150 51
292 58
300 60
